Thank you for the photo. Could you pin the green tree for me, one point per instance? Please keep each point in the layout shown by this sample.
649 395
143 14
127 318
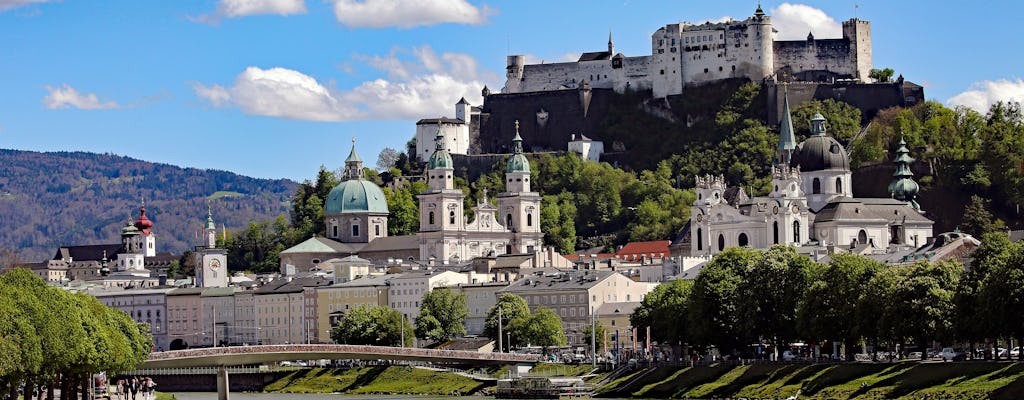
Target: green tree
558 221
881 75
715 297
515 314
831 298
442 315
923 301
588 335
664 310
544 329
373 325
842 119
405 213
772 288
977 220
1002 290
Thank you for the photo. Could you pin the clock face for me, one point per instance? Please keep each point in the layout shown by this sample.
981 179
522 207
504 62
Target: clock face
700 217
775 210
796 209
215 264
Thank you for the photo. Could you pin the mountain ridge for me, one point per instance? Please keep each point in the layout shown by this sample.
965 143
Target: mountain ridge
52 199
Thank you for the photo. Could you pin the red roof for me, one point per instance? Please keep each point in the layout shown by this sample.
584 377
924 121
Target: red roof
646 250
143 224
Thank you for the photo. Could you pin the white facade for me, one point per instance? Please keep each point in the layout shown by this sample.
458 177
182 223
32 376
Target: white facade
455 131
685 54
405 293
148 306
588 149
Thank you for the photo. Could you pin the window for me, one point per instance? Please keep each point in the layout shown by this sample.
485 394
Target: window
862 237
700 241
743 239
376 228
430 218
355 230
775 232
508 221
816 186
796 232
451 217
529 219
839 185
335 231
721 242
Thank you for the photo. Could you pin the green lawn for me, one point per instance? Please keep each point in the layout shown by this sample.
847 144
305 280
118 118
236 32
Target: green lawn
374 380
222 193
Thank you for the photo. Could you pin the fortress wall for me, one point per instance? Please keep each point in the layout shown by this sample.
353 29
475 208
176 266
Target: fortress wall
868 97
541 77
565 117
833 55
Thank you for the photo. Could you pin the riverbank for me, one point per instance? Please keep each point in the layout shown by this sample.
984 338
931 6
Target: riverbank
387 380
819 381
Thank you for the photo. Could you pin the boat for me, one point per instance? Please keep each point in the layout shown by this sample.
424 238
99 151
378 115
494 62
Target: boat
540 387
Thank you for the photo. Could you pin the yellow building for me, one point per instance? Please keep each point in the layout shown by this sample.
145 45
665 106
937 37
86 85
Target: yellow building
335 300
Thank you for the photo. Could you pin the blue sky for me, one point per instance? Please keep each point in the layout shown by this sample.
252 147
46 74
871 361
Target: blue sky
276 88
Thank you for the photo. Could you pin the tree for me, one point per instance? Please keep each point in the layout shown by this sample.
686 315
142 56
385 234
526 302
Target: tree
544 329
442 315
664 310
715 296
1002 290
977 220
922 300
387 159
771 288
405 213
373 325
597 339
515 313
832 297
881 75
842 119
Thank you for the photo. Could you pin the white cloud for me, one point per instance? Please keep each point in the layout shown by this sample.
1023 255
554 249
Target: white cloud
407 13
794 21
11 4
718 20
244 8
982 95
66 96
419 83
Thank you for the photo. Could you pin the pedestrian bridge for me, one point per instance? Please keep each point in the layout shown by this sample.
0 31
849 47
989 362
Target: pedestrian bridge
263 354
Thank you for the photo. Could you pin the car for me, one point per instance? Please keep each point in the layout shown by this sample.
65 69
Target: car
789 356
914 355
1015 353
950 354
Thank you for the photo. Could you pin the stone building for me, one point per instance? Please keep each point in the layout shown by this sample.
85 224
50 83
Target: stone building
684 54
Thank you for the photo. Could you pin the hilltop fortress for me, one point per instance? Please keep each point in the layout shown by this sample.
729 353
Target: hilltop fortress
685 54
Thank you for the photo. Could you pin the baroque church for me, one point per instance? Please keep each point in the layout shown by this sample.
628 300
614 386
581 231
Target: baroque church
810 204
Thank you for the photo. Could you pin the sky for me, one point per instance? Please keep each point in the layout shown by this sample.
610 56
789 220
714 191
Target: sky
277 88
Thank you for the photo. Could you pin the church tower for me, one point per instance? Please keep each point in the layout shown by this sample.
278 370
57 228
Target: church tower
903 187
441 214
146 236
789 218
519 208
211 263
131 259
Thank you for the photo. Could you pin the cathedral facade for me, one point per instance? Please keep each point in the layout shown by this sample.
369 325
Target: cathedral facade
810 204
511 227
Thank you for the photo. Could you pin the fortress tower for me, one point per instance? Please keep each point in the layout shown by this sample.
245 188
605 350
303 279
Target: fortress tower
858 33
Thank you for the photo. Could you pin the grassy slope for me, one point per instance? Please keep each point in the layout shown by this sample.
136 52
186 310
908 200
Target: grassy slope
372 380
847 381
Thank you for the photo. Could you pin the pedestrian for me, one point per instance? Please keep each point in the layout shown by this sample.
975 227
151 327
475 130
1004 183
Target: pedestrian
150 388
119 389
133 386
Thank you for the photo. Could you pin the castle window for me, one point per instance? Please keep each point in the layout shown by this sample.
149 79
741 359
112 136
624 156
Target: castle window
839 185
451 217
705 70
700 242
721 242
796 232
719 68
663 72
430 218
529 219
816 186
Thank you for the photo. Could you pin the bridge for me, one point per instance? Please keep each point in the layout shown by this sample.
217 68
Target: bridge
248 355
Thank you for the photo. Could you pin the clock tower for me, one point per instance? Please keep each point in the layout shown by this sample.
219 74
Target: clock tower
211 263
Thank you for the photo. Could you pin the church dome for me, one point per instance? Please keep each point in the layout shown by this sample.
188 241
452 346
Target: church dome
143 224
355 196
517 163
440 159
819 153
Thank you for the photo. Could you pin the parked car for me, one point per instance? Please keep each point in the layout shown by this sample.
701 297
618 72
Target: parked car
914 355
950 354
789 356
1015 352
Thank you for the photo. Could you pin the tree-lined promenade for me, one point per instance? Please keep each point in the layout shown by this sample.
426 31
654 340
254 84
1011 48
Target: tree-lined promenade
51 338
775 297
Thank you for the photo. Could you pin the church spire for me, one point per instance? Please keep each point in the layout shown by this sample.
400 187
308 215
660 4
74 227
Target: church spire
353 164
611 44
903 187
787 140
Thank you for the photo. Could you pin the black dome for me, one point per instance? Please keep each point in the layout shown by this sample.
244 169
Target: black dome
819 153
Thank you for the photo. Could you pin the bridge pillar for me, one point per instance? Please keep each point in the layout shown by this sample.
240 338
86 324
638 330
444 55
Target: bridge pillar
222 383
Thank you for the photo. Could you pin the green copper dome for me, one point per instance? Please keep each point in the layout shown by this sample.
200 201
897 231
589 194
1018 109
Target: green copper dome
355 196
440 158
903 187
518 162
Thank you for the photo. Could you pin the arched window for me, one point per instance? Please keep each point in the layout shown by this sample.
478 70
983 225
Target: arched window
796 229
816 186
700 240
721 242
862 237
743 239
508 221
430 218
529 219
355 230
451 217
839 185
775 232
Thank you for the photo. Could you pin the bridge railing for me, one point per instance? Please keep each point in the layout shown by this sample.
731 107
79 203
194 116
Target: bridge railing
375 351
